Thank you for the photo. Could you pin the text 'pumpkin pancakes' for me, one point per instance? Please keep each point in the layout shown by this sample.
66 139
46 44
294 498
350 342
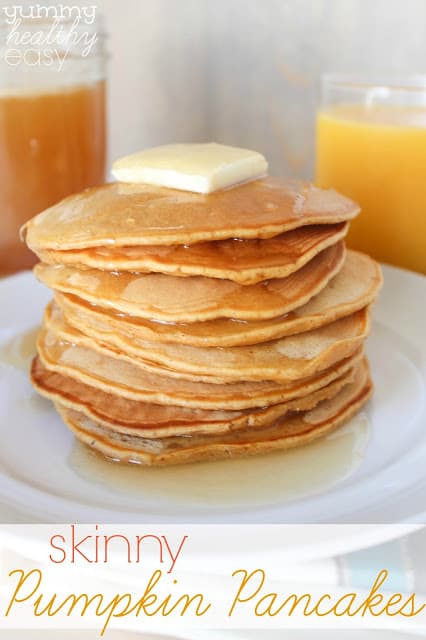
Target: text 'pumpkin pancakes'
194 326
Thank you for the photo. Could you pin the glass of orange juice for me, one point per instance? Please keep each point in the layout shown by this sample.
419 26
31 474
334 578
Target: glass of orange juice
371 146
52 114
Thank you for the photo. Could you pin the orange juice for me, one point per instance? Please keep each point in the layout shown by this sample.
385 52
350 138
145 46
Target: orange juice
51 144
377 156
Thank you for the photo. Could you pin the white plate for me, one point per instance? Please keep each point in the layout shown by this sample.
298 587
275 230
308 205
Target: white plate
42 476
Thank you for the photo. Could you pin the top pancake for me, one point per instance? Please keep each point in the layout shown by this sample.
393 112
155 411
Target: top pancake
242 261
120 214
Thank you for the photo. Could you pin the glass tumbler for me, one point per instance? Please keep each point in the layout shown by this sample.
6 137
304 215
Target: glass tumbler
371 146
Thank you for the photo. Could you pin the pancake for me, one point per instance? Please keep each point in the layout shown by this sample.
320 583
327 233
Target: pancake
283 360
292 431
120 214
125 379
159 421
354 287
242 261
192 299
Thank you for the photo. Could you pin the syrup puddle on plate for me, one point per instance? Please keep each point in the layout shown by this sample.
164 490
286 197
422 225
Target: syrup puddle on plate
19 350
254 481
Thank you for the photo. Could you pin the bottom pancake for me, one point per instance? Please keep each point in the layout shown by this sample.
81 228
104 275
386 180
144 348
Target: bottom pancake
296 429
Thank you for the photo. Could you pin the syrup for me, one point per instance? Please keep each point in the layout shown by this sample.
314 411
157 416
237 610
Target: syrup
243 482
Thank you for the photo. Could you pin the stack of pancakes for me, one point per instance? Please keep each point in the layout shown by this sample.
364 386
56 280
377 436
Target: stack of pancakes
188 327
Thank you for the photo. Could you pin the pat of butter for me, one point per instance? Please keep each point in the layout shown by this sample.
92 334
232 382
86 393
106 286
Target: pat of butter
202 168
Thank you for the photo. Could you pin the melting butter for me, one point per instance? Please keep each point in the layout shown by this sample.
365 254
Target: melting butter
202 168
